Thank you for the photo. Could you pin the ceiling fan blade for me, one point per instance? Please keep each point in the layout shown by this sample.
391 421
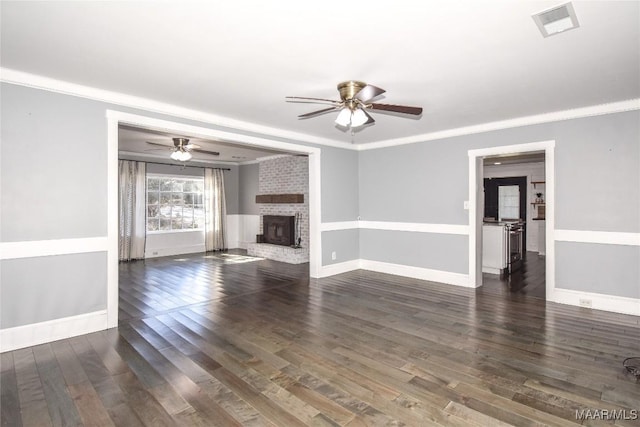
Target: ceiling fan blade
160 149
368 92
305 99
416 111
313 113
199 150
157 143
191 146
369 118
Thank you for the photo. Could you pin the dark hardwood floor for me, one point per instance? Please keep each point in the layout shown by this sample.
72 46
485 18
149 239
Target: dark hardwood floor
208 341
529 281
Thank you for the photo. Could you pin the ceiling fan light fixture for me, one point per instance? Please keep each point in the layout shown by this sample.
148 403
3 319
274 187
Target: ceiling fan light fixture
181 156
358 118
344 118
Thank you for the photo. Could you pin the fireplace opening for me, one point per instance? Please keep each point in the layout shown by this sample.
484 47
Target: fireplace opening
279 229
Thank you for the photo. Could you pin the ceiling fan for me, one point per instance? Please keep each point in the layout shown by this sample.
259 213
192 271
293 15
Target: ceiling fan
181 150
355 98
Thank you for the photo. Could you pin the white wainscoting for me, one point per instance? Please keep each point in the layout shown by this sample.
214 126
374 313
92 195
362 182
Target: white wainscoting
397 269
233 227
397 226
176 243
611 303
38 248
52 330
601 237
241 229
248 228
439 276
416 272
340 225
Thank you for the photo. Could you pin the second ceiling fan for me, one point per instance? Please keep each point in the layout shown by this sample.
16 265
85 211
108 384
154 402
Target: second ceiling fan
182 148
355 100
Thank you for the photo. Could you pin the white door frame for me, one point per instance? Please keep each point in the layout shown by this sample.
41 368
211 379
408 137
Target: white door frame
116 118
476 214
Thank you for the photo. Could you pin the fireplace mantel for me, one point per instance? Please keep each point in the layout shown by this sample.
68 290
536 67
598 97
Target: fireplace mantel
280 198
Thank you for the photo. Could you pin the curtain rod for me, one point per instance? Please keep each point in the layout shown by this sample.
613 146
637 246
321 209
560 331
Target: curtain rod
173 164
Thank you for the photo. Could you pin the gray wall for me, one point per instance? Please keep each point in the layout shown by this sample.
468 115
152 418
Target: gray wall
345 243
603 269
53 165
44 288
248 189
340 191
340 196
53 181
597 188
425 250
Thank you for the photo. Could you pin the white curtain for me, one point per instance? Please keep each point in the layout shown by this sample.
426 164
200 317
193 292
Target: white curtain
215 210
132 207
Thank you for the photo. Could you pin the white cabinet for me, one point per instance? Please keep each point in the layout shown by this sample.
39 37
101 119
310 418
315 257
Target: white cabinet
494 249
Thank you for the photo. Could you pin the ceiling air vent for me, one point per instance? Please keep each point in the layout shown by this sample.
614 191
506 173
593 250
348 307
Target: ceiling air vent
556 20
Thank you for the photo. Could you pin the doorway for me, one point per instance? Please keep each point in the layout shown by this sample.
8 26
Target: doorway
116 118
477 207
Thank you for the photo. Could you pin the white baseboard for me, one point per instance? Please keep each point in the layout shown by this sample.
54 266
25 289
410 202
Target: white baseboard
604 302
491 270
440 276
244 245
339 268
457 279
178 250
52 330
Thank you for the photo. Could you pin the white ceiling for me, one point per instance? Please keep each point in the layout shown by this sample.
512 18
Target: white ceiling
464 62
508 159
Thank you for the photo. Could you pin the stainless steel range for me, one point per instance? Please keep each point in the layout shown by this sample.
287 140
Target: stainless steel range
514 233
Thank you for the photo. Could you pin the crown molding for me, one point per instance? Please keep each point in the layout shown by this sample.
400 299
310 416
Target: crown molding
45 83
264 158
576 113
20 78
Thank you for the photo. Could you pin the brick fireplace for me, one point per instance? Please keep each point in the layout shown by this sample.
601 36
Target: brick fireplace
284 175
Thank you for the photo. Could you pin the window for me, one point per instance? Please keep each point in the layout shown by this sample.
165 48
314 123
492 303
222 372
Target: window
508 202
174 204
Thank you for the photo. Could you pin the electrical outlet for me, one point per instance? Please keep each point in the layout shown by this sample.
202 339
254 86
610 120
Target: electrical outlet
154 253
585 302
466 204
333 256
